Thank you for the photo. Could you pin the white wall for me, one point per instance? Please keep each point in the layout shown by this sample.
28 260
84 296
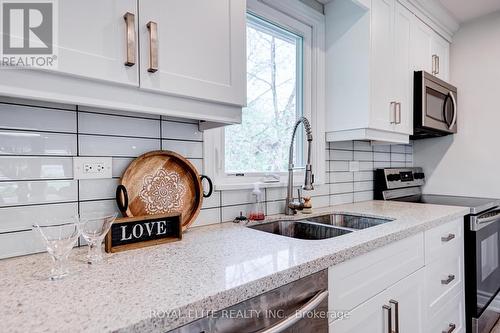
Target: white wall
468 163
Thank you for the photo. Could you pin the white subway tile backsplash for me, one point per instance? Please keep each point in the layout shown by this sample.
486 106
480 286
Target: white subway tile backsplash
363 176
345 145
363 186
236 197
362 145
32 168
363 196
382 157
20 243
341 155
338 199
341 188
91 145
37 192
36 143
97 189
185 148
207 217
93 123
382 148
37 119
180 131
341 177
100 206
212 201
363 156
120 164
23 217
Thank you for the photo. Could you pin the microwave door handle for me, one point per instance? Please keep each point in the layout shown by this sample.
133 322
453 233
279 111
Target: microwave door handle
454 119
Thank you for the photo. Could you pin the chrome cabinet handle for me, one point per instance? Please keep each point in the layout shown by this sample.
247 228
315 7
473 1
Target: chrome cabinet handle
130 34
450 278
389 317
393 112
286 323
396 315
450 329
398 113
153 46
437 64
447 238
434 64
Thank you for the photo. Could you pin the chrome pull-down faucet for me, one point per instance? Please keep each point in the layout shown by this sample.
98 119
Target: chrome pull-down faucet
291 204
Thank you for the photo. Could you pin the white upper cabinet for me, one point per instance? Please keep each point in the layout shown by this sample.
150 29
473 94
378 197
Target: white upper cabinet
373 48
92 39
194 48
381 64
430 51
403 72
177 58
440 50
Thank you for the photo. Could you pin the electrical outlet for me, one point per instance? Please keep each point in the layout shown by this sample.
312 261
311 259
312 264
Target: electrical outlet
92 167
353 166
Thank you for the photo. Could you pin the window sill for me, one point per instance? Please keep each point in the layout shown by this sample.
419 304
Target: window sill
249 186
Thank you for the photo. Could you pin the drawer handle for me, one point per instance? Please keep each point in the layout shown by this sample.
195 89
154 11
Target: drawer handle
153 46
450 278
389 317
447 238
451 328
396 315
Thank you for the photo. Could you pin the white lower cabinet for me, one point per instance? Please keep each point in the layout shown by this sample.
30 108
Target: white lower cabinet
413 285
396 309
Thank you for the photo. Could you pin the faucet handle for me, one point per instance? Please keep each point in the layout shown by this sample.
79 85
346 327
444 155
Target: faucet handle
299 193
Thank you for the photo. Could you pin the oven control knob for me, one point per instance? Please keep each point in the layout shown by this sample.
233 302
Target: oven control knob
393 177
419 175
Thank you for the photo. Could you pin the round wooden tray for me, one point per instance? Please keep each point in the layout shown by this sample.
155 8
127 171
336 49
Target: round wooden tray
161 182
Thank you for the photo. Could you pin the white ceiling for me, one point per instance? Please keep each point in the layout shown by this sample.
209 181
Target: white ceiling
465 10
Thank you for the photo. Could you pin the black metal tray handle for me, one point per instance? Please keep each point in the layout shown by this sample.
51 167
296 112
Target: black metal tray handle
210 186
122 199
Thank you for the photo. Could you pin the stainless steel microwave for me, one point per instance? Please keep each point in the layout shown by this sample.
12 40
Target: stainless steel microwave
434 106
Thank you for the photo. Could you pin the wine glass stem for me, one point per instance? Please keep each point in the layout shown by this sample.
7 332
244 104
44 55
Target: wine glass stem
95 251
60 267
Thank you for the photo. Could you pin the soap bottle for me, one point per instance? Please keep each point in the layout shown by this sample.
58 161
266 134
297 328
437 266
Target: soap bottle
257 211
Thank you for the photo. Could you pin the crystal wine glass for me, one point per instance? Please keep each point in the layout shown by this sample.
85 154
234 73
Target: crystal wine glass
94 228
59 239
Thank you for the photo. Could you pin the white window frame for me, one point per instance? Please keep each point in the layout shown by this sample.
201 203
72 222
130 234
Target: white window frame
310 25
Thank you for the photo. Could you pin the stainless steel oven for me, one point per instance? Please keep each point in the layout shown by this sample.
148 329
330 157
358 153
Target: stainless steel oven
434 106
482 274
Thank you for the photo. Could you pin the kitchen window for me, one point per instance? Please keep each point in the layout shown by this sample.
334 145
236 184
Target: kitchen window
274 102
282 62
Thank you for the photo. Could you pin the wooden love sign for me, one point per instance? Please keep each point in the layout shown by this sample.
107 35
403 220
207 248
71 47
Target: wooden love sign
135 232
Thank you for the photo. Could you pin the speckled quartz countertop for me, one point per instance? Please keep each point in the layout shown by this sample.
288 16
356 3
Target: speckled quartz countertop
159 288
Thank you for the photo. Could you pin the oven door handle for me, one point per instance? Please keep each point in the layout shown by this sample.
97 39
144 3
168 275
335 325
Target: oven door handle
478 223
454 119
286 323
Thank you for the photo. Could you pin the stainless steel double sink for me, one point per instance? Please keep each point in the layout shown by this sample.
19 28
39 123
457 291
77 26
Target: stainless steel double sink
320 227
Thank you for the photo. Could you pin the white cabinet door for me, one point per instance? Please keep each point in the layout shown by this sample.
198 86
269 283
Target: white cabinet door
440 50
382 50
406 296
403 73
92 40
201 48
421 40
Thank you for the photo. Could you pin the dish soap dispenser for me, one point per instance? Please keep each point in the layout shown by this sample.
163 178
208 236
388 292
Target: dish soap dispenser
257 212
